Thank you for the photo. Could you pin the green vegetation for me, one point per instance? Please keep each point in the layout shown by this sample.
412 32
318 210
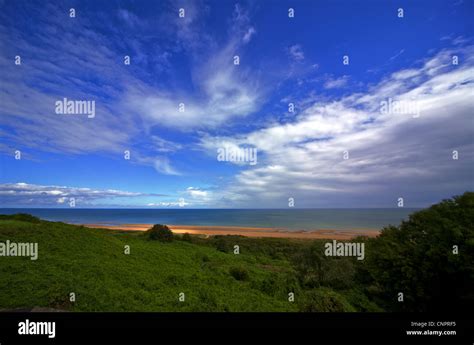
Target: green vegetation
161 233
323 300
23 217
418 259
415 258
239 273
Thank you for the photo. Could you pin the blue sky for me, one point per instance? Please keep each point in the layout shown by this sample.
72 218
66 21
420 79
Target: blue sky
190 60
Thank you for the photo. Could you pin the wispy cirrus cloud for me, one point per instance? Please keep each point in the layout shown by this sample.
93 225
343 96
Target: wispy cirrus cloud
296 53
24 194
225 90
335 83
129 105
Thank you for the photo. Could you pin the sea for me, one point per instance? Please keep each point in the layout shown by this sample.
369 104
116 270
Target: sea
288 219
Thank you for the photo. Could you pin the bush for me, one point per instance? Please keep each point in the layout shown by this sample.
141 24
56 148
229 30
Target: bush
58 297
239 273
324 300
161 233
278 284
207 301
222 244
186 237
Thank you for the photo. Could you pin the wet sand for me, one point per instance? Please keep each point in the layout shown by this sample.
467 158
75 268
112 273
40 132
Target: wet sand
248 231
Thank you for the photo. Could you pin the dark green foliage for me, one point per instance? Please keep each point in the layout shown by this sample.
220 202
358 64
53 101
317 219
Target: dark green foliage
315 269
160 232
324 300
279 284
360 301
186 237
222 244
208 302
23 217
274 248
239 273
416 258
59 297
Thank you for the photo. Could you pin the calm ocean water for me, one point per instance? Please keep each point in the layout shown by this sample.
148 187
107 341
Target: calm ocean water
291 219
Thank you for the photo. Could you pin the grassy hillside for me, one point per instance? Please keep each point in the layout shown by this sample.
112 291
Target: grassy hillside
92 264
429 258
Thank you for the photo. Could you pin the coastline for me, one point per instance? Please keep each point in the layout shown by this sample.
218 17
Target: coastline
248 231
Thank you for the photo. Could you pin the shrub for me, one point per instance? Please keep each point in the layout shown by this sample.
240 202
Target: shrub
222 244
58 297
278 284
186 237
239 273
207 301
360 301
324 300
161 233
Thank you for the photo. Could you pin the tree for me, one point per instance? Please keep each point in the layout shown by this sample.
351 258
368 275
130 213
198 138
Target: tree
418 258
161 233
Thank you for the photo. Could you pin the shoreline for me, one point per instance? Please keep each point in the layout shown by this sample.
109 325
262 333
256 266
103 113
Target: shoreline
212 230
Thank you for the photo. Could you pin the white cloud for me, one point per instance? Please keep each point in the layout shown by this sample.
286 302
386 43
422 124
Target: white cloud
163 166
248 35
390 155
181 203
196 192
41 195
224 91
123 98
335 83
296 52
397 55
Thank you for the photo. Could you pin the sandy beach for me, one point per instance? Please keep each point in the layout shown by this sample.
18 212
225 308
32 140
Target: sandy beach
248 231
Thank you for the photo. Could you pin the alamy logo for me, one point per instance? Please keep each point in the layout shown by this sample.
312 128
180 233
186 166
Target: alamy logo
19 249
37 328
237 154
402 107
335 248
75 107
